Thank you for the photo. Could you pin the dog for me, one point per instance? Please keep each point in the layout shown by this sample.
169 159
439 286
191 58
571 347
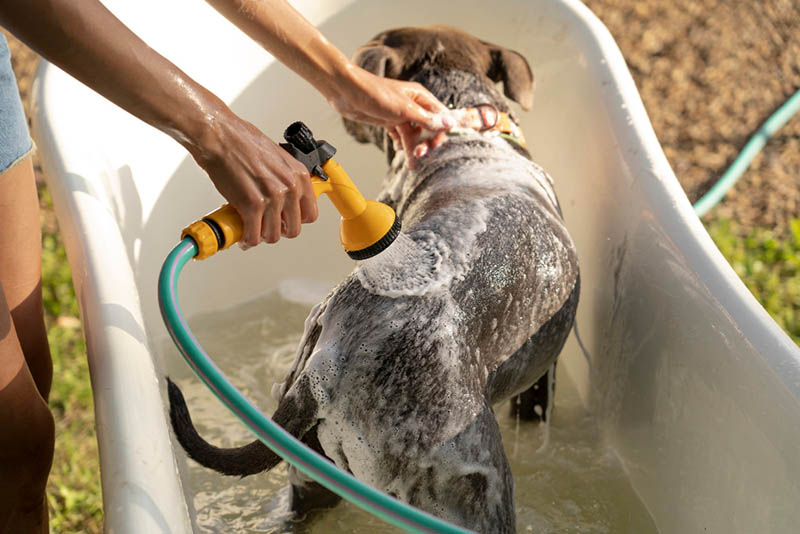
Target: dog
400 366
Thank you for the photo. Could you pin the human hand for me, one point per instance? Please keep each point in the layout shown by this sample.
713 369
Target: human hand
269 189
418 142
407 110
362 96
415 141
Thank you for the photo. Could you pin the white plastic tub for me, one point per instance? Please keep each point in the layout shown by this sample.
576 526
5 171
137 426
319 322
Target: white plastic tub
695 386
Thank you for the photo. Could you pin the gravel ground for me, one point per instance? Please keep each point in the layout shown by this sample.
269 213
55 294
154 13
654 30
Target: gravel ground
710 72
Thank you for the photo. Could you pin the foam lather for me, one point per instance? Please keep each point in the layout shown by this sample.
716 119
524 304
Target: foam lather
380 245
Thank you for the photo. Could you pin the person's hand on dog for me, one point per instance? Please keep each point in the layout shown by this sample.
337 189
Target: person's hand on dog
403 108
416 141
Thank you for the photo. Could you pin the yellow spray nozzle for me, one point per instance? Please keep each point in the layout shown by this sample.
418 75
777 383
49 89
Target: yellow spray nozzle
367 226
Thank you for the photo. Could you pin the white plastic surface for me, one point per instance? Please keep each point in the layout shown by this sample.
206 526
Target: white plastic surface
696 386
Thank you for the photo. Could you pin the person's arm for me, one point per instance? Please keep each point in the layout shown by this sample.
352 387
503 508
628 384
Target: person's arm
270 189
351 90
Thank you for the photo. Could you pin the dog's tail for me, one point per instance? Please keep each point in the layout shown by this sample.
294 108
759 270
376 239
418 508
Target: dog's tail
241 461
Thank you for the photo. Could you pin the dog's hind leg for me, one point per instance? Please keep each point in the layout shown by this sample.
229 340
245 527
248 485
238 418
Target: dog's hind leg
306 494
536 403
528 376
467 480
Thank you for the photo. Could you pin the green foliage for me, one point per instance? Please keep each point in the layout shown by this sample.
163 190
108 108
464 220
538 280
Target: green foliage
59 297
769 265
73 490
57 292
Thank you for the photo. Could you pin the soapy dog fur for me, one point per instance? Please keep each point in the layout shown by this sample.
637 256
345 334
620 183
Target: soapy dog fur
400 366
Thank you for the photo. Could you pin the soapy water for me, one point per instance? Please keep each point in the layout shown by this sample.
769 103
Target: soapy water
571 484
411 265
419 262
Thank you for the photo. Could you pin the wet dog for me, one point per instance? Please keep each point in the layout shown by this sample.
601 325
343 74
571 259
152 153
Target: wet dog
400 366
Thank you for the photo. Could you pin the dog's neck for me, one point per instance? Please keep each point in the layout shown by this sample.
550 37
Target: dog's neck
459 89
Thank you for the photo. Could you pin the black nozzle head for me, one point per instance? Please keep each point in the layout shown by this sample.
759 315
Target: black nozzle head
299 135
300 143
380 245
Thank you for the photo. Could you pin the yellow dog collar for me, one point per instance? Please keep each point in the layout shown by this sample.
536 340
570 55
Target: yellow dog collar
486 118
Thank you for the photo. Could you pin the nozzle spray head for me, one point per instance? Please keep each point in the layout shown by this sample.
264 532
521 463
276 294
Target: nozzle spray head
368 227
371 233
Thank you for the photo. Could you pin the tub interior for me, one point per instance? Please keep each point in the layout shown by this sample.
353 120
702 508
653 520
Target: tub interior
675 364
567 479
305 268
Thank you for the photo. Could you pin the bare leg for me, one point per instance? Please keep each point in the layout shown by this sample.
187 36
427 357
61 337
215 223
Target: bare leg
21 268
26 425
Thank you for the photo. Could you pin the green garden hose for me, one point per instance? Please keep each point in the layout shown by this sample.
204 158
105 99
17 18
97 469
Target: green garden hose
273 436
745 157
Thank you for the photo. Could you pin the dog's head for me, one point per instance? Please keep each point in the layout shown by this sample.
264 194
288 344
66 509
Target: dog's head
458 68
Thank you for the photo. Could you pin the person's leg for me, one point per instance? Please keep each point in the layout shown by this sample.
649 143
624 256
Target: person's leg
26 438
26 426
21 268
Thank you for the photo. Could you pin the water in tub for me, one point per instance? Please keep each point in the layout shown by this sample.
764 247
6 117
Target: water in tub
567 480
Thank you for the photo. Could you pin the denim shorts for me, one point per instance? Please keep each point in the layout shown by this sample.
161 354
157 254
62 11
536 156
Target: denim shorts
15 140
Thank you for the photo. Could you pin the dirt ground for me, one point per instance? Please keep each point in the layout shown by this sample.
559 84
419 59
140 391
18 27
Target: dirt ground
710 72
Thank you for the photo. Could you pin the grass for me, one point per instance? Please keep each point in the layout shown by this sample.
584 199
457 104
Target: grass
73 490
769 265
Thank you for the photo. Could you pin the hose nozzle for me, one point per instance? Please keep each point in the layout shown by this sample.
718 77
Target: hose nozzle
367 227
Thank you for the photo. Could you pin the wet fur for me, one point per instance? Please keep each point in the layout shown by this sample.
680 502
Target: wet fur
383 369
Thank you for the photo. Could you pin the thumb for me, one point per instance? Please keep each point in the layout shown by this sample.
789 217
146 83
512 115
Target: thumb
430 113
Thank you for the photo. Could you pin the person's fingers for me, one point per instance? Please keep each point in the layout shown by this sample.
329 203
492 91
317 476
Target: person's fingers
251 213
308 209
423 118
408 137
300 205
438 140
395 137
426 100
427 110
290 218
271 222
307 201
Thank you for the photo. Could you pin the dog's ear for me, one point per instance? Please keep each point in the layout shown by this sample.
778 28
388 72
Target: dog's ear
379 59
515 73
363 132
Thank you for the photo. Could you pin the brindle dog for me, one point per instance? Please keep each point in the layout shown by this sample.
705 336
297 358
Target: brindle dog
400 366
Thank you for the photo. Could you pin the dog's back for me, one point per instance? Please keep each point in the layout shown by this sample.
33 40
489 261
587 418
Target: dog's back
405 358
